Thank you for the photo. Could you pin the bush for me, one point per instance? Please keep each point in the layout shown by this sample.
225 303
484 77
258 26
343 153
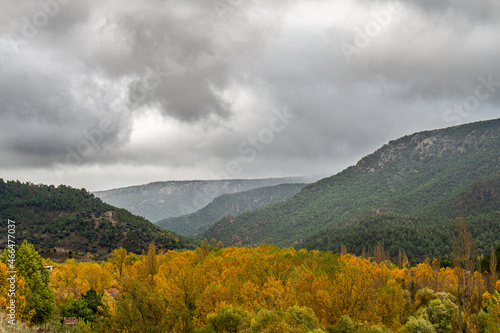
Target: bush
345 325
442 314
226 320
417 325
295 320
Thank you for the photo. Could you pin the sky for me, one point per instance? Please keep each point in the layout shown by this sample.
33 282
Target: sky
105 93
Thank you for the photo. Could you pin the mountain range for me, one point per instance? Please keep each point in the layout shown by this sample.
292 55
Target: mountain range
405 196
160 200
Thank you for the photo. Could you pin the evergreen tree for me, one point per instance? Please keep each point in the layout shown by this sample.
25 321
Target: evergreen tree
87 307
39 298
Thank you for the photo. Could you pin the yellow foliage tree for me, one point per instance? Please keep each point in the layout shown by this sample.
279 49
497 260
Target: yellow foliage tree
13 294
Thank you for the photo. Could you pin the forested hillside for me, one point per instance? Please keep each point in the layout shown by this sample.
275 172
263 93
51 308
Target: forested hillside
160 200
427 234
73 219
229 204
417 183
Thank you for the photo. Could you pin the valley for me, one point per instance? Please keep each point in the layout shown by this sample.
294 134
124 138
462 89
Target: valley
407 229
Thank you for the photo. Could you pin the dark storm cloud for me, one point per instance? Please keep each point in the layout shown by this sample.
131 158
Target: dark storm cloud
40 114
168 55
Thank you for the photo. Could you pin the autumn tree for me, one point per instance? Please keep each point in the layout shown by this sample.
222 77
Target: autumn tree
491 318
352 290
121 260
493 270
141 309
151 261
463 249
64 279
343 249
213 244
390 305
22 313
400 259
379 254
93 276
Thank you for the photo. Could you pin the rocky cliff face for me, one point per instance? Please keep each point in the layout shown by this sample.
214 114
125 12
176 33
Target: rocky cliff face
411 151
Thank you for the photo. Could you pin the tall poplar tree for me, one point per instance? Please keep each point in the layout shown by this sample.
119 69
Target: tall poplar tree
40 298
463 252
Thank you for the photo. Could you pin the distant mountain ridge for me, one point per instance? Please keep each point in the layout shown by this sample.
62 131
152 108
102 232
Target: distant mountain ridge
412 176
194 224
160 200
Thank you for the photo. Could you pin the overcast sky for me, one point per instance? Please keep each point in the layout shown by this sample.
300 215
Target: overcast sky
106 93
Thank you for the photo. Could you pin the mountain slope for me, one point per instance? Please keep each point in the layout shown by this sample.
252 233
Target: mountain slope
193 224
425 235
405 177
73 219
161 200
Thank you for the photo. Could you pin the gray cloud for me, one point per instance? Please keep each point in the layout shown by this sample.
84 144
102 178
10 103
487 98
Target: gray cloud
75 91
